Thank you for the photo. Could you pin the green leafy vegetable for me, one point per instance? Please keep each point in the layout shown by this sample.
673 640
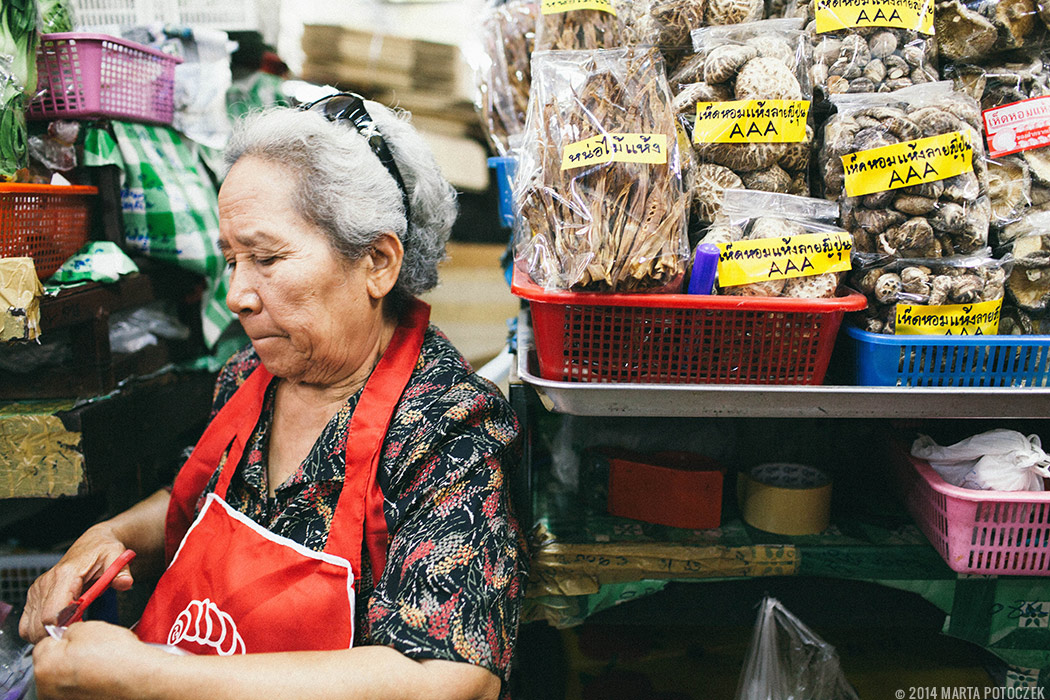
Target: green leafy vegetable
18 41
56 16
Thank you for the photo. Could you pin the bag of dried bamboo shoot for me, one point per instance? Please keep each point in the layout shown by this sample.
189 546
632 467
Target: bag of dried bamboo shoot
599 186
503 72
908 170
578 25
748 110
779 245
869 45
956 295
1013 91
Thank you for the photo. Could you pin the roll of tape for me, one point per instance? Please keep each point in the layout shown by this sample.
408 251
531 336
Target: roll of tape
785 498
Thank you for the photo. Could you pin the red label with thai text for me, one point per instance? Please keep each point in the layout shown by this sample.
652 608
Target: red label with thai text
1019 126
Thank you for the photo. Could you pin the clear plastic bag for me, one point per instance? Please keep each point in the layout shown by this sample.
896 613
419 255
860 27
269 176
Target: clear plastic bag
1028 283
580 30
16 659
929 219
502 70
872 59
753 215
767 146
788 661
961 279
1018 166
997 460
975 28
599 183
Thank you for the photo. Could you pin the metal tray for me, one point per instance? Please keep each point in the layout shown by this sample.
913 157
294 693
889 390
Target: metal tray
739 401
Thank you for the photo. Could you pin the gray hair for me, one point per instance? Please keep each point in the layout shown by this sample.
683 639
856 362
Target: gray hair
343 188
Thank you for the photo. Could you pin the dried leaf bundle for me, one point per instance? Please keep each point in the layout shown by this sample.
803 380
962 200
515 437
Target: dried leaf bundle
610 226
509 38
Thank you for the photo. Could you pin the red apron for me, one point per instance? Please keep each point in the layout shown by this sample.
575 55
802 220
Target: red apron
234 587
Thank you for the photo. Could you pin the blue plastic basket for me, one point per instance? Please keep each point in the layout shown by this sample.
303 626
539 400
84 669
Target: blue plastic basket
505 167
937 360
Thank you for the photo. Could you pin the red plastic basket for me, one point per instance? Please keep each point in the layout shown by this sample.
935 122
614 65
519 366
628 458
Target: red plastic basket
45 222
89 76
682 338
977 532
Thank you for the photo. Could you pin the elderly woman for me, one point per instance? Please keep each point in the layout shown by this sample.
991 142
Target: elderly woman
342 528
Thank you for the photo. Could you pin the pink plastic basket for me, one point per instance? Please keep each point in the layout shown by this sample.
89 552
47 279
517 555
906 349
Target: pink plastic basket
977 532
90 76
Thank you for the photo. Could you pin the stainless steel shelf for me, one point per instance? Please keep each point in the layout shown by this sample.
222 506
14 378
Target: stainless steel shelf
759 401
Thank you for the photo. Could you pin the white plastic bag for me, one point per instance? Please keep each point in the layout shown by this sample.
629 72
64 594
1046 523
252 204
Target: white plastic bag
787 661
997 460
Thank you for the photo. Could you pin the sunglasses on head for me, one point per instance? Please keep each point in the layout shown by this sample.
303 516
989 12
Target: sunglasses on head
351 107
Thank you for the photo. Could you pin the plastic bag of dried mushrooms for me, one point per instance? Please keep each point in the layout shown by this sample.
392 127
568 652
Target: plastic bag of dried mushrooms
968 29
673 20
502 70
1013 90
749 215
963 280
599 184
562 26
869 47
908 170
1026 309
745 99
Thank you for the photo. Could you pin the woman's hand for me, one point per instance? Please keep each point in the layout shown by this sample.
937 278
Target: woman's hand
92 660
141 528
89 556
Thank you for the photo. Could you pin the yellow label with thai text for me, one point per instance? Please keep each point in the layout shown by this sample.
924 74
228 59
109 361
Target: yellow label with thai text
743 262
553 7
908 163
833 15
751 121
979 318
615 148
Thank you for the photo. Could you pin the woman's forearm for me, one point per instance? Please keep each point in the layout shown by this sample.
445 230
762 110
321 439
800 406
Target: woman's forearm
141 527
365 672
97 661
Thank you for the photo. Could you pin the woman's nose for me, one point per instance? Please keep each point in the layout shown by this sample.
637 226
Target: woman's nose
242 298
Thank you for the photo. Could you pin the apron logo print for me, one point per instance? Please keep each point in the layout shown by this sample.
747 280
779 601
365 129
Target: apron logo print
202 622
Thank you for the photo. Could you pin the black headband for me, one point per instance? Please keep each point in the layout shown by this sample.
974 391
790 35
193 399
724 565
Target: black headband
350 106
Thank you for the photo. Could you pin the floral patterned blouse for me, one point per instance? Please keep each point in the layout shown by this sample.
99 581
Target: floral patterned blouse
456 564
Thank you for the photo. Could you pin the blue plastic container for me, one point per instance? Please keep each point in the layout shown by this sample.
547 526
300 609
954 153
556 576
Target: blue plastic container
505 167
937 360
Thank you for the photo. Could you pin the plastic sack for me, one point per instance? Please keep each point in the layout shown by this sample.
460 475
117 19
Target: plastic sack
957 280
946 211
754 215
599 187
502 70
762 138
996 460
973 28
580 29
96 261
787 661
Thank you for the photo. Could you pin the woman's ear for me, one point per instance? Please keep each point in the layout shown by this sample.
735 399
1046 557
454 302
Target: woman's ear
384 265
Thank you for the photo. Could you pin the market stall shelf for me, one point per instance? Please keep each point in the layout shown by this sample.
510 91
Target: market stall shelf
809 401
